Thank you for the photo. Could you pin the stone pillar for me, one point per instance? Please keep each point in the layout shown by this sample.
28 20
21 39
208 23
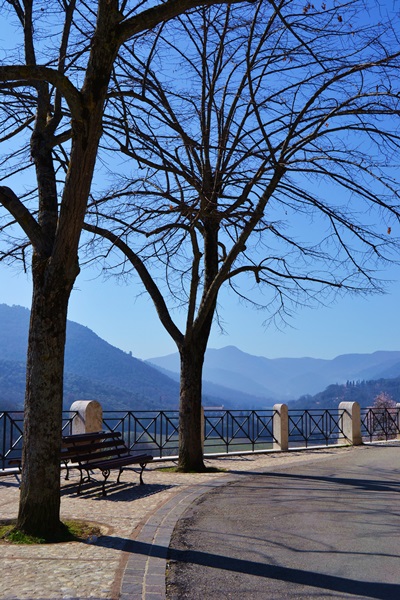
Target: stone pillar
351 423
89 416
280 427
203 429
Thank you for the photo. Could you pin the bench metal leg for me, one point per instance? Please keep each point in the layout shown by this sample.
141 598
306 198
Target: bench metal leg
84 478
119 474
106 474
143 466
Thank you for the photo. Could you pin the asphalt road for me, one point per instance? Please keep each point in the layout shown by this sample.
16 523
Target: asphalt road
328 528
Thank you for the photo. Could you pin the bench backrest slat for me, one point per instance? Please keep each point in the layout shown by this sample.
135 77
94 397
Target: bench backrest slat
93 447
86 448
87 437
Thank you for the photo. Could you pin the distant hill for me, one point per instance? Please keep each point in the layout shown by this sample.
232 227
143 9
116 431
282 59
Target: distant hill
229 397
12 384
282 379
97 370
363 392
93 369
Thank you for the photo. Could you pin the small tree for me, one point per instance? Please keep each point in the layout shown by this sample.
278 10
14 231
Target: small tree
264 164
384 420
383 401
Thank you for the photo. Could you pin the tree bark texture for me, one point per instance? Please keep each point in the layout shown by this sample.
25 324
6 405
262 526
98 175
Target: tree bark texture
190 442
39 507
192 352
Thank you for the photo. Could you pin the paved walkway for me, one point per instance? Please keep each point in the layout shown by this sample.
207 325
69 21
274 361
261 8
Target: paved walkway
129 559
313 530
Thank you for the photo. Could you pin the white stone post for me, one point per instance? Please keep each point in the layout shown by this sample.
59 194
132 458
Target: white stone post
89 416
351 423
203 429
280 427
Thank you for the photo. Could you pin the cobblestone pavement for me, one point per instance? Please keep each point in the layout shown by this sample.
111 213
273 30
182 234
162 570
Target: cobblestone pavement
120 564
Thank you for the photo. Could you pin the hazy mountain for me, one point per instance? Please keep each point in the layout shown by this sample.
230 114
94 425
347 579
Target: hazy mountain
229 397
12 385
388 372
283 379
97 370
12 389
94 369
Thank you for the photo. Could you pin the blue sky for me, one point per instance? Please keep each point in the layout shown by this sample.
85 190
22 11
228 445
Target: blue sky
112 310
351 325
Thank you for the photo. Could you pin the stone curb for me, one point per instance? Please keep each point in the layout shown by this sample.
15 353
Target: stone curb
144 577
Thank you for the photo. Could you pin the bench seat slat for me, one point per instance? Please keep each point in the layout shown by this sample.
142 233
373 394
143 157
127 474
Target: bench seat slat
122 461
89 456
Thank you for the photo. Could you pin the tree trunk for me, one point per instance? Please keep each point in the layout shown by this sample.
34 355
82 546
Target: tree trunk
192 352
190 439
39 509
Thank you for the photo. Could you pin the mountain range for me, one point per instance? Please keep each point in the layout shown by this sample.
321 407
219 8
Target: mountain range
94 369
284 379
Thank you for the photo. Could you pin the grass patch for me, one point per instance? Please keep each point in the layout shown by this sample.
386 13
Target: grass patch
10 535
71 531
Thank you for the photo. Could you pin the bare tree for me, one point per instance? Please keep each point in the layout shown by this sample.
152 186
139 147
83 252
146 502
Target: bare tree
54 85
261 158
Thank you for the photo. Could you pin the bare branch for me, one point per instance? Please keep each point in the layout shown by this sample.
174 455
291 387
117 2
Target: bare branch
30 73
146 278
162 13
27 222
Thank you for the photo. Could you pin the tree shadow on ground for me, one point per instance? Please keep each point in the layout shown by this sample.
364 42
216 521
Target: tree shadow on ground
357 483
311 579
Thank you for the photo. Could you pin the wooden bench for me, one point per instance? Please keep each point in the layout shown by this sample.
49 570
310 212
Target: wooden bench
103 451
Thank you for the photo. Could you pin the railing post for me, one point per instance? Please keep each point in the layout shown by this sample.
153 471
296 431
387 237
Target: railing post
280 427
398 419
89 416
203 429
351 423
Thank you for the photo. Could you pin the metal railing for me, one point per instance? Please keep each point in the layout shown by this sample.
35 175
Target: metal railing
11 434
380 423
315 427
225 431
153 432
229 431
157 432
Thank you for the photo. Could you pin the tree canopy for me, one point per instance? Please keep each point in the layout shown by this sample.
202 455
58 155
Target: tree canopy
263 157
281 128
